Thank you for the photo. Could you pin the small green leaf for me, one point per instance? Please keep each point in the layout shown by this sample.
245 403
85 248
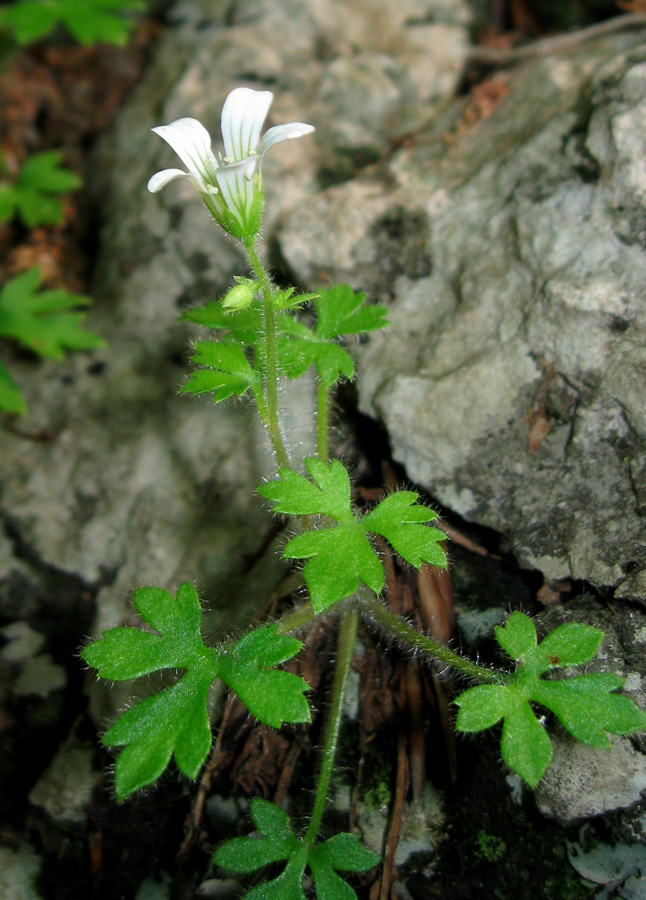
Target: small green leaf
338 558
517 636
272 696
571 644
482 707
341 556
288 885
175 721
587 708
127 653
525 746
343 852
585 704
227 371
242 325
246 854
295 495
340 310
29 20
401 520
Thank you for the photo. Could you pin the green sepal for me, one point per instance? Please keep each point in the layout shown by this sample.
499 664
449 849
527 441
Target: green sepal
586 705
225 371
343 852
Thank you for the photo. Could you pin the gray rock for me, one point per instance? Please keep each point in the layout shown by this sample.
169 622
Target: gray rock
64 790
19 871
139 485
583 781
511 382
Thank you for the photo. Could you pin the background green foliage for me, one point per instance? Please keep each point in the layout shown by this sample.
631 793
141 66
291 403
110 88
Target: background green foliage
88 21
45 322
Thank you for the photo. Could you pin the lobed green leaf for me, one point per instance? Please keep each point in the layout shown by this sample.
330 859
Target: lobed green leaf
571 644
227 371
340 310
517 636
175 721
399 519
482 707
341 556
586 705
525 745
342 852
271 695
338 558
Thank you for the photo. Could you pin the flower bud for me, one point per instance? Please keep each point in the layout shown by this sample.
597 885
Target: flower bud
241 296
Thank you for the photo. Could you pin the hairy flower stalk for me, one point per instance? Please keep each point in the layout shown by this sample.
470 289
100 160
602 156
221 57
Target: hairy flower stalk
231 183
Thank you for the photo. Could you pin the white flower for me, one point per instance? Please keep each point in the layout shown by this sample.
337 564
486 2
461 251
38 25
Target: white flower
230 184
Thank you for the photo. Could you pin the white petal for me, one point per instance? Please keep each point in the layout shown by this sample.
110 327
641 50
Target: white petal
192 143
161 179
243 115
237 187
283 133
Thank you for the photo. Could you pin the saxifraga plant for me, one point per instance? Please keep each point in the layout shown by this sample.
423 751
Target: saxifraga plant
257 337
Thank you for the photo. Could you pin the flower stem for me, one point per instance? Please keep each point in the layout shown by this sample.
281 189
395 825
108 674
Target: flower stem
400 629
345 648
322 443
272 422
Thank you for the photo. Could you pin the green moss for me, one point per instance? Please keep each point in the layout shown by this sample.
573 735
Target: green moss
489 847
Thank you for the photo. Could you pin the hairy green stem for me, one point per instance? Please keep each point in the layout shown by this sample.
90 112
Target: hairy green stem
345 648
271 421
322 400
400 629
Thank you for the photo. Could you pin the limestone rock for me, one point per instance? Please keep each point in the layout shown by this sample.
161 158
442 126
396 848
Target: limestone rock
513 260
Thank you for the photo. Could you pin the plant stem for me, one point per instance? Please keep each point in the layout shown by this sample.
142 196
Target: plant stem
400 629
345 649
272 422
322 444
